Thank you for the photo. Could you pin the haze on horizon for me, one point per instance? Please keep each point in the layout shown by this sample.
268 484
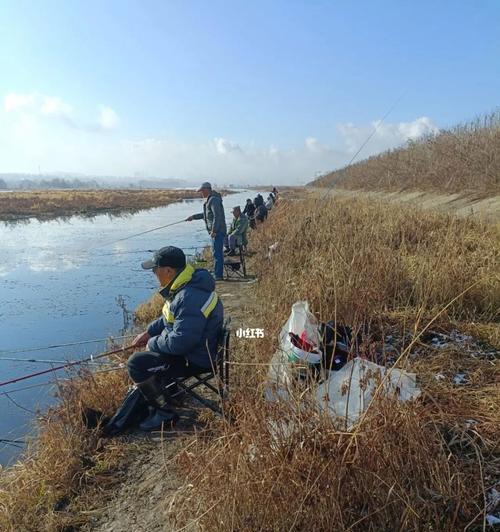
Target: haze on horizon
236 92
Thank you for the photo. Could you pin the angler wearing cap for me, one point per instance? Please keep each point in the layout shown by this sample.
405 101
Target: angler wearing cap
183 341
215 221
237 235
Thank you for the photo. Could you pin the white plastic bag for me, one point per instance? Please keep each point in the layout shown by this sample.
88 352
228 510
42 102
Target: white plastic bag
305 325
348 392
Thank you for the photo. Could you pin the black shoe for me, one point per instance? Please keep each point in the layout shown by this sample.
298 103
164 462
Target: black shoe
227 250
232 253
159 419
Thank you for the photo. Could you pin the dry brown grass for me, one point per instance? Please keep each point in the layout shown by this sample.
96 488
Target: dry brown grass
53 203
464 159
414 466
38 493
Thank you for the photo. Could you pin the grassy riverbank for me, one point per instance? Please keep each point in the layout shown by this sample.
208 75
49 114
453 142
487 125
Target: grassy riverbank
385 269
390 271
46 204
463 159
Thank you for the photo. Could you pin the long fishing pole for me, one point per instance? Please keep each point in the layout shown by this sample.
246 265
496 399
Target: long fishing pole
54 346
43 361
134 235
67 365
366 141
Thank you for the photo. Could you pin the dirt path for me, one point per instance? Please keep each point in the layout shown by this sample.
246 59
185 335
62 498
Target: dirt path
145 498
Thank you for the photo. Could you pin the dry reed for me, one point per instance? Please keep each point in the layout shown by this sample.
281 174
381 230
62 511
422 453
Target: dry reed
464 159
424 465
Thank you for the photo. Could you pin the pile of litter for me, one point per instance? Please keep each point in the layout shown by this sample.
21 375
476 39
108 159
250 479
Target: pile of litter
465 342
344 392
394 344
347 393
436 342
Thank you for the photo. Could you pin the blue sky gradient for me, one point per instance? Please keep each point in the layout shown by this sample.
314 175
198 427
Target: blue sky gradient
234 90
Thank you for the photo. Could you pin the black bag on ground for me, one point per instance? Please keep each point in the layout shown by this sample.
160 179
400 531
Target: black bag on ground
131 412
336 341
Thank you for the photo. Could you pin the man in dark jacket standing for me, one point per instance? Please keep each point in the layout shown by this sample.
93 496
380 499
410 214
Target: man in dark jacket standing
215 221
183 341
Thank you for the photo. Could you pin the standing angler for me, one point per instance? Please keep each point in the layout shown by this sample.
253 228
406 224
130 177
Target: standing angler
215 221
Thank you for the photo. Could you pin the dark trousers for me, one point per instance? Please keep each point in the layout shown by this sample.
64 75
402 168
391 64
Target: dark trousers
144 364
218 253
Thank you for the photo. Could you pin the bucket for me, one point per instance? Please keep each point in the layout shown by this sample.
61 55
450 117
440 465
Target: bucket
311 357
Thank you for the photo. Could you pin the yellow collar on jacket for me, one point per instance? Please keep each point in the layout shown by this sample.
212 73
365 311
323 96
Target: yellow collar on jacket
179 281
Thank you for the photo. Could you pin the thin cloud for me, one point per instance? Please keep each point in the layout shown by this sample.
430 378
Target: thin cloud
108 119
224 146
221 159
53 107
388 135
18 102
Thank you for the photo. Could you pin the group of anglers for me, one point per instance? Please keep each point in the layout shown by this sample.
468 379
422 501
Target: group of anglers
254 213
183 340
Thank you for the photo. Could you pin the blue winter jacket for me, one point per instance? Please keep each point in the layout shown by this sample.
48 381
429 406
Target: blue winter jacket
192 318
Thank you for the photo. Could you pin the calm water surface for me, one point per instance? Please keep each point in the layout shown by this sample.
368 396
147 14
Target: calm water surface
57 287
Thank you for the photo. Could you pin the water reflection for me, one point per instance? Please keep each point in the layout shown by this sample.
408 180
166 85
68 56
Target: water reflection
121 212
58 286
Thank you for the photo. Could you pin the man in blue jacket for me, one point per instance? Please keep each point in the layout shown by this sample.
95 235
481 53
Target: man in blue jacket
183 341
215 222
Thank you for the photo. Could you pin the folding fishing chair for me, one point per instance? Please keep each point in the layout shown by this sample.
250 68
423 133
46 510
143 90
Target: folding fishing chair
235 266
216 379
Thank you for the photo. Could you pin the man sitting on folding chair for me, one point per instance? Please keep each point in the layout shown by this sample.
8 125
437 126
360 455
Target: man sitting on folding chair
237 234
183 341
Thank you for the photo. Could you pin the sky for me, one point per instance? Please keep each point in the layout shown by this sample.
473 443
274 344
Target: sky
235 91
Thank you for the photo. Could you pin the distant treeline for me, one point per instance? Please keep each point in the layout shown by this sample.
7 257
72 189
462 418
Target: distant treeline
46 184
465 158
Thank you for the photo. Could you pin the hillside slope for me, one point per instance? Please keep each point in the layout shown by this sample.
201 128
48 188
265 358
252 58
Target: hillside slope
462 159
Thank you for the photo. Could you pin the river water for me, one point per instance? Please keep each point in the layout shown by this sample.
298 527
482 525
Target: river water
61 283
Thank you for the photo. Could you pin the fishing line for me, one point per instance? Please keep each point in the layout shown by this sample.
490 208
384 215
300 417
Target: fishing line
12 443
24 388
113 253
21 407
44 361
363 144
366 141
55 346
65 366
134 235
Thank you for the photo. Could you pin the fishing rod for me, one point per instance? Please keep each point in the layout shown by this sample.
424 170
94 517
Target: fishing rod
113 253
67 365
134 235
44 361
55 346
366 141
13 443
